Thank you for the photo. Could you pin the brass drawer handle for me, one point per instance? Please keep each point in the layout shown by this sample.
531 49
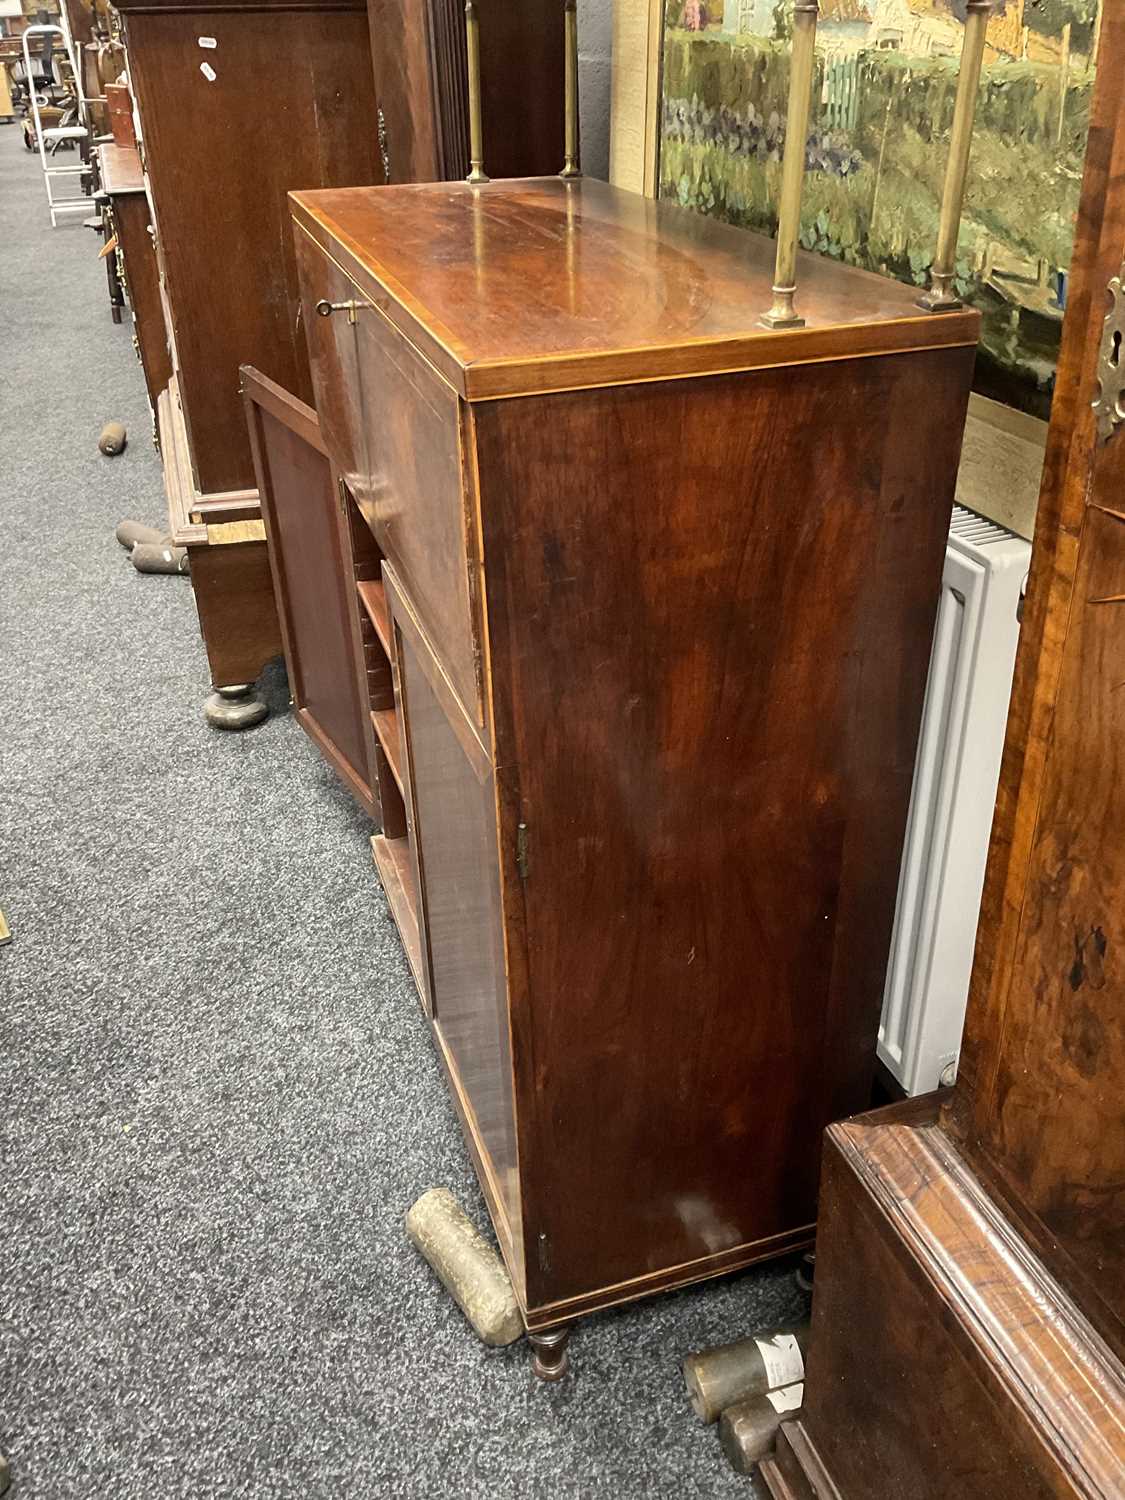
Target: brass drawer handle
326 308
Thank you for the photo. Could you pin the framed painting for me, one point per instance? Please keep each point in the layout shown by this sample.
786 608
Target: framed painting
882 108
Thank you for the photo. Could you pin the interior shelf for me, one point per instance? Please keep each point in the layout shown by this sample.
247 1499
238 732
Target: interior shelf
385 721
392 861
373 597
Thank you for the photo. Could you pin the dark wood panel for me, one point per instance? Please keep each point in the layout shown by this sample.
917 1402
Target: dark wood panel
300 504
402 55
527 286
454 838
710 617
291 103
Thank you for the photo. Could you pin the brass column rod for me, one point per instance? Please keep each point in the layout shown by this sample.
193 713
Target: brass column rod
802 58
571 166
941 296
477 174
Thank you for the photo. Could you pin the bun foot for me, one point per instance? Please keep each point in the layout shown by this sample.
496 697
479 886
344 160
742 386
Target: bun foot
236 707
549 1357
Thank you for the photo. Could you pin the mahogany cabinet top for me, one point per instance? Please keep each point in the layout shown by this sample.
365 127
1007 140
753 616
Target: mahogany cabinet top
536 284
121 169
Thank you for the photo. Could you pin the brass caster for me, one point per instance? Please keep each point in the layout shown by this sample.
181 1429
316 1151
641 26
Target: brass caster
549 1357
236 707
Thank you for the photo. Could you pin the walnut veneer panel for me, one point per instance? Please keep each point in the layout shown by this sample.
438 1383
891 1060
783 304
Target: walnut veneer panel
1040 1102
142 285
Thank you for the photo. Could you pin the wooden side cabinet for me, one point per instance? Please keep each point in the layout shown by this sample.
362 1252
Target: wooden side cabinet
656 587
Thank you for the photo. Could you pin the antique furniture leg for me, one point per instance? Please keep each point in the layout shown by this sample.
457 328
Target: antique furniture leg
238 619
236 707
549 1357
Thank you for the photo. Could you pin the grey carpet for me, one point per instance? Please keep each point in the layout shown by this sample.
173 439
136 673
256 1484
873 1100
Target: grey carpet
218 1093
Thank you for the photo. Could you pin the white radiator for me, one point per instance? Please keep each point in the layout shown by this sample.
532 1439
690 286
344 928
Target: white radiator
955 779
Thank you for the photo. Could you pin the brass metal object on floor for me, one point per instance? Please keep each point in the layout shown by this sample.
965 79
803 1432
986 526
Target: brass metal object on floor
729 1373
5 930
748 1430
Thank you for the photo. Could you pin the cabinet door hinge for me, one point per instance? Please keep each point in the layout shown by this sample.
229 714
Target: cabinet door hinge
521 849
341 491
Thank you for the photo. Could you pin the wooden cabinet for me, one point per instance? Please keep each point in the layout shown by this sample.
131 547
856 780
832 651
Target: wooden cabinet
969 1315
238 104
658 586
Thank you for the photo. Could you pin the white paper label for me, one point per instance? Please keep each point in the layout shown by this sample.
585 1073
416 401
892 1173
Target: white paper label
781 1357
208 41
788 1398
208 72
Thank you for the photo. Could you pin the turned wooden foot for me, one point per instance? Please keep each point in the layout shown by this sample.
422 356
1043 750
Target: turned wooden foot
237 707
549 1357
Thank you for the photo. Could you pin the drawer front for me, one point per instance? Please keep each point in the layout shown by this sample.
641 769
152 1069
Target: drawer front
393 427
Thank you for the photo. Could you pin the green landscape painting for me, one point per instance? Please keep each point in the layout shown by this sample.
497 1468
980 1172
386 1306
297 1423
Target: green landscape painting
878 139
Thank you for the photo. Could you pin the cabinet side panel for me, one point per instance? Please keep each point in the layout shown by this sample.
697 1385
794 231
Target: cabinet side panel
710 608
221 153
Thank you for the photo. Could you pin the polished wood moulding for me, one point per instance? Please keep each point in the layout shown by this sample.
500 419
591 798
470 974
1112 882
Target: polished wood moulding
658 586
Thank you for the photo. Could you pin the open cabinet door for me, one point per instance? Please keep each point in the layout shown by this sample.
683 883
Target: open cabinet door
303 508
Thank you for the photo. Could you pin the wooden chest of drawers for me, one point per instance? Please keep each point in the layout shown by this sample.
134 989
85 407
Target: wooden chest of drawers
656 586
